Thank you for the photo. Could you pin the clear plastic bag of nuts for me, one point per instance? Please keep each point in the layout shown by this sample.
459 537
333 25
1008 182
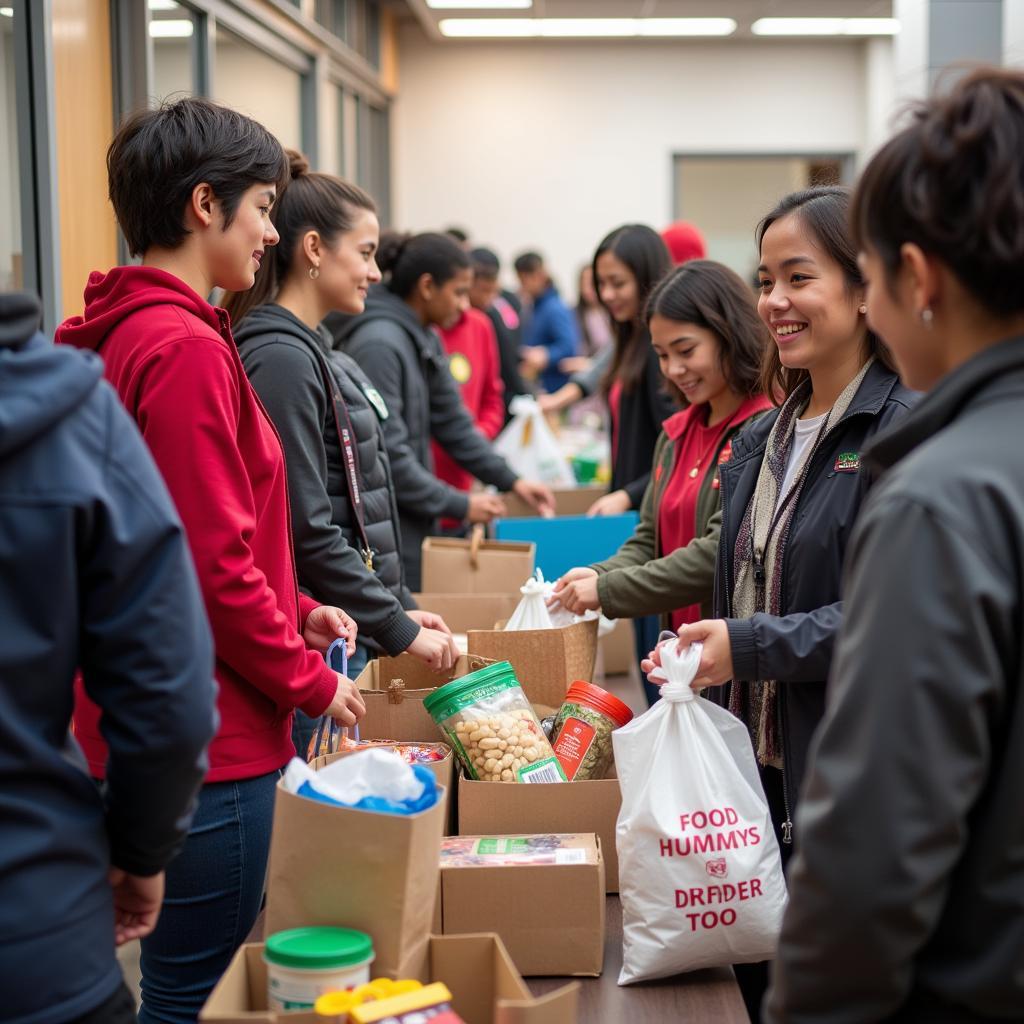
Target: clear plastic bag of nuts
488 721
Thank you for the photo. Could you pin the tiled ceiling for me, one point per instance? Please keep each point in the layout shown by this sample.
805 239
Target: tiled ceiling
745 12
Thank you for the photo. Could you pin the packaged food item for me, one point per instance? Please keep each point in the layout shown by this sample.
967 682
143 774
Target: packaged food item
507 851
431 1003
304 963
488 722
582 734
410 753
336 1006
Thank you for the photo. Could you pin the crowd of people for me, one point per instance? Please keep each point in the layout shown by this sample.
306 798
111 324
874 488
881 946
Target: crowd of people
197 500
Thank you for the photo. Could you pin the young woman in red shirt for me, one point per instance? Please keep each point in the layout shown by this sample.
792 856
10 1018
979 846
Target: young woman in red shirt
708 342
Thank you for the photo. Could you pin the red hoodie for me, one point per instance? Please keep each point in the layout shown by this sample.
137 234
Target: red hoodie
172 359
472 348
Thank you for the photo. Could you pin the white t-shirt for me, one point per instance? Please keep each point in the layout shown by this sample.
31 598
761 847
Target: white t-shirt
803 440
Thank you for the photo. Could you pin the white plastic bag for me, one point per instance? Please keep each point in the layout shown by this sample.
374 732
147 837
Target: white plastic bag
351 779
529 447
699 867
533 611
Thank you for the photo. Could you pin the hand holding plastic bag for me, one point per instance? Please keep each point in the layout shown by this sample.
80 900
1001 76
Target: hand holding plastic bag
699 867
539 609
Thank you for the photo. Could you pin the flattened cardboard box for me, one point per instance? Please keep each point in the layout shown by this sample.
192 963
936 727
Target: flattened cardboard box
543 894
454 566
485 987
546 661
569 501
504 808
394 690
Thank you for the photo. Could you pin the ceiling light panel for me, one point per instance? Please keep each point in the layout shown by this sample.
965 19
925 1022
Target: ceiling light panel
825 27
480 5
584 28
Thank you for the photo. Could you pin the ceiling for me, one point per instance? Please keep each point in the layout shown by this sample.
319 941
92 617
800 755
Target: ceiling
745 12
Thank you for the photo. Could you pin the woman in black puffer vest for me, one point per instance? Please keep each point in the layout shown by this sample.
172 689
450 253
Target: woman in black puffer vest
344 517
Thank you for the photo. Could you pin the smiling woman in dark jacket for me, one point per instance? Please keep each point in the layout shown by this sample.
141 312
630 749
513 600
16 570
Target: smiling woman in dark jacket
344 515
907 890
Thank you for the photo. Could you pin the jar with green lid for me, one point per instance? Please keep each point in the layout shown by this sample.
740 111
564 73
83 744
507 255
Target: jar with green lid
304 963
489 723
582 733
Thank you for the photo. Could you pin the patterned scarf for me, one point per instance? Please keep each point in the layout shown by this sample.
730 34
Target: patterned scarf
759 553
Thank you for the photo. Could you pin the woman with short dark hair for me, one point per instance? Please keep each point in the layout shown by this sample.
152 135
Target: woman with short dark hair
192 184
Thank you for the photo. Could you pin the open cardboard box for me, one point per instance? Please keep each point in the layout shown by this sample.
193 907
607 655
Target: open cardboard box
543 894
569 501
485 987
463 612
475 566
546 661
505 808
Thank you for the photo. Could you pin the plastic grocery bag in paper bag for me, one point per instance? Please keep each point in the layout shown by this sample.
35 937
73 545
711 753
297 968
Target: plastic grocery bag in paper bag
530 448
699 867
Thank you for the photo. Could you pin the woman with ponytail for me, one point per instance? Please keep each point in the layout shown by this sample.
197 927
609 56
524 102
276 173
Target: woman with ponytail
427 285
344 518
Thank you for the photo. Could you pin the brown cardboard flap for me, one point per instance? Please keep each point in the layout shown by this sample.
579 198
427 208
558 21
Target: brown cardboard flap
376 873
546 661
499 809
455 566
554 1008
463 612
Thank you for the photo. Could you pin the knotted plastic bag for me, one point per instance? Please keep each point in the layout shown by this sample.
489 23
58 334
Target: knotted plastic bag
699 867
530 448
534 612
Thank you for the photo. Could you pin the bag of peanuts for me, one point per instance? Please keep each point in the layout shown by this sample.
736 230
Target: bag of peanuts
700 874
487 720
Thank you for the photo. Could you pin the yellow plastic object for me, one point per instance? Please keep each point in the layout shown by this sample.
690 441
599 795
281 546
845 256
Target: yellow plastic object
424 998
335 1006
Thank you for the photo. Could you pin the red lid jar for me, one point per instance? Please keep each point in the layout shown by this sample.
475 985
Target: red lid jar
582 734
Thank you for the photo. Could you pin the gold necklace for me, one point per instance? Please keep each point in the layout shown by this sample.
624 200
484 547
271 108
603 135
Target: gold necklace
716 438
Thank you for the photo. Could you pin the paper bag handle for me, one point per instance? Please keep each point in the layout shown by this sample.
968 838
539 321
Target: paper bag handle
476 538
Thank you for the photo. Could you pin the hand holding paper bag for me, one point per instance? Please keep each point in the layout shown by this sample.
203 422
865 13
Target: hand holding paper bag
699 868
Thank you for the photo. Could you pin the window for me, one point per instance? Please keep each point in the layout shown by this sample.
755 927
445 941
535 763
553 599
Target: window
12 275
355 22
725 196
174 31
256 84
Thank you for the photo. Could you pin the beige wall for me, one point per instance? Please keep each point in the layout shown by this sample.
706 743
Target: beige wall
553 144
83 107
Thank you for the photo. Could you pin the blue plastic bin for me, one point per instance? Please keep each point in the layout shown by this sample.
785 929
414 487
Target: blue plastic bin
568 541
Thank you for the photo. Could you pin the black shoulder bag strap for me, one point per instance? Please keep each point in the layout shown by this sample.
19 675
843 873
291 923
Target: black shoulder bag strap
349 452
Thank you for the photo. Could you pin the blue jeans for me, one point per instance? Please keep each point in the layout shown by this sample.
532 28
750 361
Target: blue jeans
303 726
646 631
213 896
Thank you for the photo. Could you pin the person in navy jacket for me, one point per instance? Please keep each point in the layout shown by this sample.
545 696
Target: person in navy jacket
95 576
551 334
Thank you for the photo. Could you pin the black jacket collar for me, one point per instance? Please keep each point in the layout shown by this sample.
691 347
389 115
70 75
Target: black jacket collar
992 371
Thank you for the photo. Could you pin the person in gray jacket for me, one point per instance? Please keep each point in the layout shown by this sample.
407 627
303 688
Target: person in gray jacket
427 284
907 889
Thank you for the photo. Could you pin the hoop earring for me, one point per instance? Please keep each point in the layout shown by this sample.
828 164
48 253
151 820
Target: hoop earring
927 317
314 273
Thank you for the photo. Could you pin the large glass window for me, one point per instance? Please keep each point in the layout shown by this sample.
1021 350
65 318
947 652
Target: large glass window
173 30
726 195
258 85
12 274
356 22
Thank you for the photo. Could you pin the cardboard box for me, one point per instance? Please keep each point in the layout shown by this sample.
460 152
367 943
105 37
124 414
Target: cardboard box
543 894
618 649
394 690
500 809
475 566
546 661
377 873
463 612
477 969
569 501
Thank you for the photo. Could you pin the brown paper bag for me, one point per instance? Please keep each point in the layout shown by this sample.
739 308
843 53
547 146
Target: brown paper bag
546 661
377 873
475 566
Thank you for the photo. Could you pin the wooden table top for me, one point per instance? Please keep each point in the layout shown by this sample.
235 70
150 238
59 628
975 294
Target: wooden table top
710 996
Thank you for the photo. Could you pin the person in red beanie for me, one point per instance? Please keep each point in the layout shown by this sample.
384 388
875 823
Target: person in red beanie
684 242
192 184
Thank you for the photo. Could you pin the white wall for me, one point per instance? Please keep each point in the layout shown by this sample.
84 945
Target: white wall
552 145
